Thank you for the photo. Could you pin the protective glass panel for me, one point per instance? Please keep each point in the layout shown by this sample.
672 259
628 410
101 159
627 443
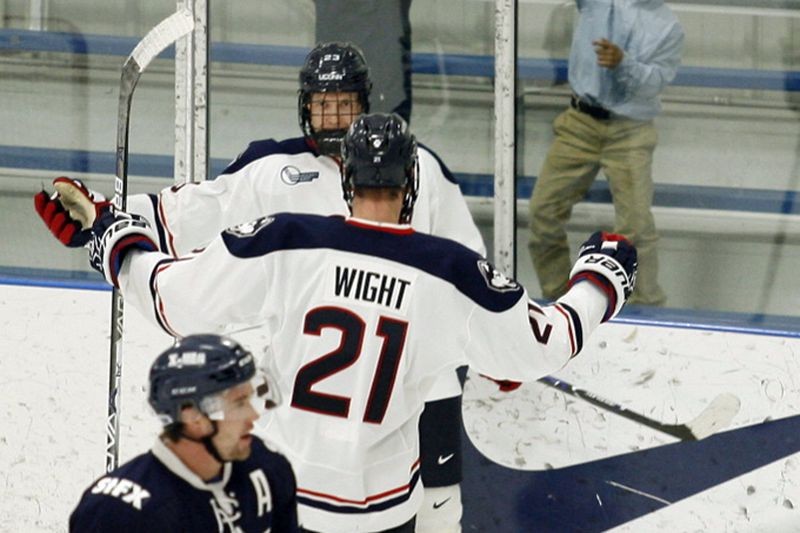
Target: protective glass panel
725 165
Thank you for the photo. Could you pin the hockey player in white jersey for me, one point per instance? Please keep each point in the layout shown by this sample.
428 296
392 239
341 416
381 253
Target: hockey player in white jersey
302 175
365 313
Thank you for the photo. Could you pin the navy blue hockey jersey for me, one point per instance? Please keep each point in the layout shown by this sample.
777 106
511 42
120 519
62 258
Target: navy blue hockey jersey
157 492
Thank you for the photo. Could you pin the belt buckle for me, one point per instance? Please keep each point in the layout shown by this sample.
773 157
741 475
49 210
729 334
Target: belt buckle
596 112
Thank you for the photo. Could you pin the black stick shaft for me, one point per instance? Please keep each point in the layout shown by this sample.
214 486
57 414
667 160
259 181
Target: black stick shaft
680 431
130 75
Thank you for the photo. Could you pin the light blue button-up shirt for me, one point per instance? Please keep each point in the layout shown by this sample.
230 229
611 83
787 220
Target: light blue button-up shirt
651 38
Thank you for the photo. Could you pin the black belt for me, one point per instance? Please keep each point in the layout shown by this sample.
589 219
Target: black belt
595 111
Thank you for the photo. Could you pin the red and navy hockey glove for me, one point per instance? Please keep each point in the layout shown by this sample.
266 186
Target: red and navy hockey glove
62 217
78 216
608 261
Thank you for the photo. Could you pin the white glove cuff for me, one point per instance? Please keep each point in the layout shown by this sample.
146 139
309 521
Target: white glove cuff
609 269
134 229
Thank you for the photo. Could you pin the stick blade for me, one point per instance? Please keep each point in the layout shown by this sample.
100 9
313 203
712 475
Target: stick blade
160 37
717 416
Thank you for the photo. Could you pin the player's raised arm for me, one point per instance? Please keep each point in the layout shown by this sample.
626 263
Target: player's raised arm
185 304
194 293
183 218
528 341
187 217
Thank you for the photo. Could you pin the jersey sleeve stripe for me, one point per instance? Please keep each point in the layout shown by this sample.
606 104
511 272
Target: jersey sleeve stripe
162 239
576 328
533 306
158 305
169 242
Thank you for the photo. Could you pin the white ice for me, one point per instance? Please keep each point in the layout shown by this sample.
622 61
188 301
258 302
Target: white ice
53 385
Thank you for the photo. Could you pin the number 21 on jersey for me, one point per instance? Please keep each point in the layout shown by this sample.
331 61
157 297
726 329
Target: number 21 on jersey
352 330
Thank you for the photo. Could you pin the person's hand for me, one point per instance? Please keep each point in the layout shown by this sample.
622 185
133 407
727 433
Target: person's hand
609 55
609 262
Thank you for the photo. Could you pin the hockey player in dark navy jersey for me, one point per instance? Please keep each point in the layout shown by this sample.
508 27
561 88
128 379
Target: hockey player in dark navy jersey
206 472
365 313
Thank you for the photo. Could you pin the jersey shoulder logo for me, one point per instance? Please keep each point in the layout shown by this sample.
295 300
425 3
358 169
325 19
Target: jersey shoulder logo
496 280
292 175
250 228
126 490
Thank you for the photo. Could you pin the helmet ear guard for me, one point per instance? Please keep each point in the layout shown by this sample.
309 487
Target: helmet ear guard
378 151
334 67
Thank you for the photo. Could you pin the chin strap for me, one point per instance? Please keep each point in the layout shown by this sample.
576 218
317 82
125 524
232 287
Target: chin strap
207 443
329 142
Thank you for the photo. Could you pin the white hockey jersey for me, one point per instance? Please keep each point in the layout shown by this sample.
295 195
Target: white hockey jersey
363 317
288 176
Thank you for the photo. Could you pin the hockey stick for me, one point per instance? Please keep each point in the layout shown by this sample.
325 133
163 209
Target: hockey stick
717 415
156 41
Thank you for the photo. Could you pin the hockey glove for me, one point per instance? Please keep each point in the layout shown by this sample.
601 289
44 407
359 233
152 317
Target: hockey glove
114 234
70 211
608 261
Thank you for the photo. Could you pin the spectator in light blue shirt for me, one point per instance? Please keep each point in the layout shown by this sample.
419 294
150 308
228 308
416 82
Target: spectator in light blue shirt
624 52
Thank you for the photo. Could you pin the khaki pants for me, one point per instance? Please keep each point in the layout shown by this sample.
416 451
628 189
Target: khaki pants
582 146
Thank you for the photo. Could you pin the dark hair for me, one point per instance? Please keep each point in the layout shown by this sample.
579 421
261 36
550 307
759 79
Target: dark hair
173 431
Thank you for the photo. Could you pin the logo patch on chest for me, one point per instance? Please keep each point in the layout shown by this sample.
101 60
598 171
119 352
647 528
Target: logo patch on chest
292 175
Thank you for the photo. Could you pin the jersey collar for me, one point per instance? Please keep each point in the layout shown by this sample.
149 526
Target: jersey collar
397 229
176 466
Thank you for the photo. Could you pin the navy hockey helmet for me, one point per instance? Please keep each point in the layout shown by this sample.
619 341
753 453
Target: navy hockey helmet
331 67
194 370
379 152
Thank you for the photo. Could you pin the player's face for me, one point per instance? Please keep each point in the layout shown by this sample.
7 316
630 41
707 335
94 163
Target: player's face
233 436
334 111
